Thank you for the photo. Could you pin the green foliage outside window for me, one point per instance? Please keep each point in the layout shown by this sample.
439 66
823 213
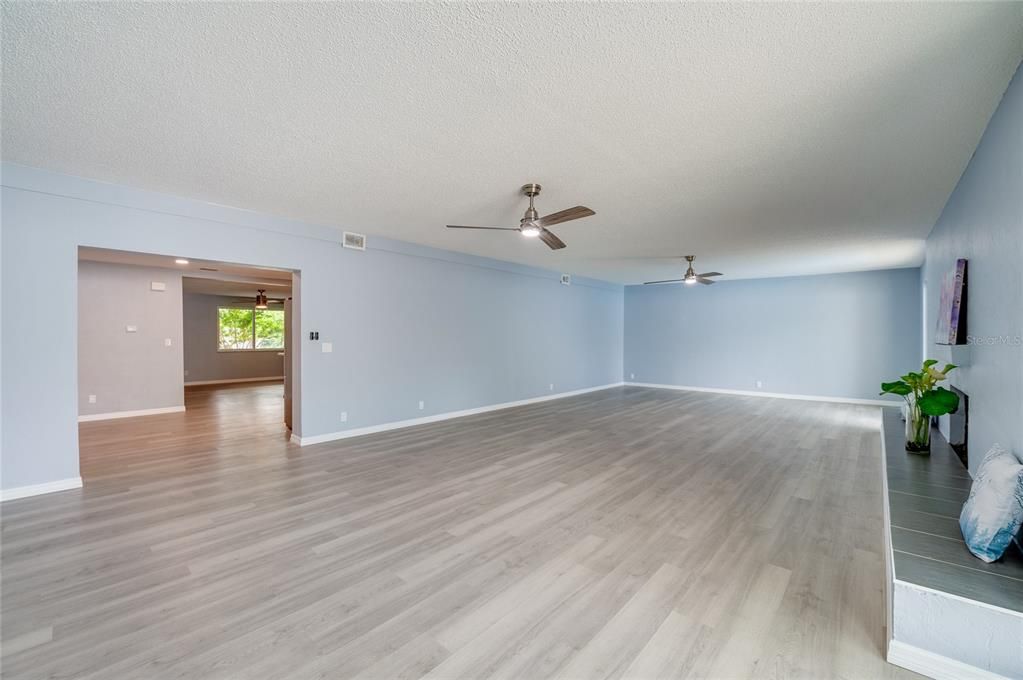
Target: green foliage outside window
270 328
240 328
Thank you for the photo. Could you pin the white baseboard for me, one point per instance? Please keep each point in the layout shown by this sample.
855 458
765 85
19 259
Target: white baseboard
935 665
233 380
131 414
37 489
775 395
373 429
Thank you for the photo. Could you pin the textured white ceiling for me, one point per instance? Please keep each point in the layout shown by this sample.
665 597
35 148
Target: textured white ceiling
768 139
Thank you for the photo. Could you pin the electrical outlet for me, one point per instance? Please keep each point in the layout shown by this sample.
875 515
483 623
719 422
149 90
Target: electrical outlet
131 329
632 376
167 342
422 405
552 387
344 416
760 383
92 398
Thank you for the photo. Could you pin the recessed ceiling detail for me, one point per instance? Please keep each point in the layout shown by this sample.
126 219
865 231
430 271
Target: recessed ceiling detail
773 139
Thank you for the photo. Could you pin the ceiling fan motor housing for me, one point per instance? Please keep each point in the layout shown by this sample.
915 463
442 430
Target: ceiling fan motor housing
531 189
531 215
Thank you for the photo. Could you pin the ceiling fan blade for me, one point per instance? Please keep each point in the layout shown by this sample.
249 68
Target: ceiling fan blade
704 281
551 240
458 226
650 283
564 216
711 274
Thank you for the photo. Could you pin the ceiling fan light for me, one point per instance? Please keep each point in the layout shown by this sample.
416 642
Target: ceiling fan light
690 280
261 302
530 231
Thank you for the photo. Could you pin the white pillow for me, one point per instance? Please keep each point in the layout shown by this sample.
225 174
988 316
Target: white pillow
993 513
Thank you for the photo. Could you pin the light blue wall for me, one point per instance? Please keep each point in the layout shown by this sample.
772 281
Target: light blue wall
406 322
836 335
983 222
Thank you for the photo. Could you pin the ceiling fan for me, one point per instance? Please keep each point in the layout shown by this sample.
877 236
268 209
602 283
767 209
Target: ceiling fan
262 301
690 277
532 226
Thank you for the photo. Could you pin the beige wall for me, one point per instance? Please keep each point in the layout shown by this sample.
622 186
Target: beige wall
202 360
128 371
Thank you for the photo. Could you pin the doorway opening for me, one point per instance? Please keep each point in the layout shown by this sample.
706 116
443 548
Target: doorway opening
182 359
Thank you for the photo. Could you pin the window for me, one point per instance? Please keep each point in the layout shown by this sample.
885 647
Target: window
241 328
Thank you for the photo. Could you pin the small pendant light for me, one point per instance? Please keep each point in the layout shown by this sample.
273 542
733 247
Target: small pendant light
261 299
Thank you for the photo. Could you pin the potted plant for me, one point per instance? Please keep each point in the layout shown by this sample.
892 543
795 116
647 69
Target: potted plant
925 399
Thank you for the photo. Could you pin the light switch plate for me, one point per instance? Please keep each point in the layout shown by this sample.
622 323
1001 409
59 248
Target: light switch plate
131 329
167 342
327 347
158 285
92 398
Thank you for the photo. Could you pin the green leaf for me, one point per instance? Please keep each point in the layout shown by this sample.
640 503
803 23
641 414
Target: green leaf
897 387
938 402
929 362
948 367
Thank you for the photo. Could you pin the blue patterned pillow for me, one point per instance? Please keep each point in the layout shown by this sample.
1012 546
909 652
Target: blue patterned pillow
994 511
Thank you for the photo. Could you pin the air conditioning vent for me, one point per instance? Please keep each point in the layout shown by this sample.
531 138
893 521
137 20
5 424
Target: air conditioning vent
353 240
566 279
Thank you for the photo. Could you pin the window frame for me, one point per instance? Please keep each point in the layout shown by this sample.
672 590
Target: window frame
254 311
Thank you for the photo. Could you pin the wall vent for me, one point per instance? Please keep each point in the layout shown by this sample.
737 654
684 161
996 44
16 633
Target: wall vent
566 279
353 240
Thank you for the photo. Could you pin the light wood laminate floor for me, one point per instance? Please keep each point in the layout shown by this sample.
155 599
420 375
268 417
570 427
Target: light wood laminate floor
627 533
